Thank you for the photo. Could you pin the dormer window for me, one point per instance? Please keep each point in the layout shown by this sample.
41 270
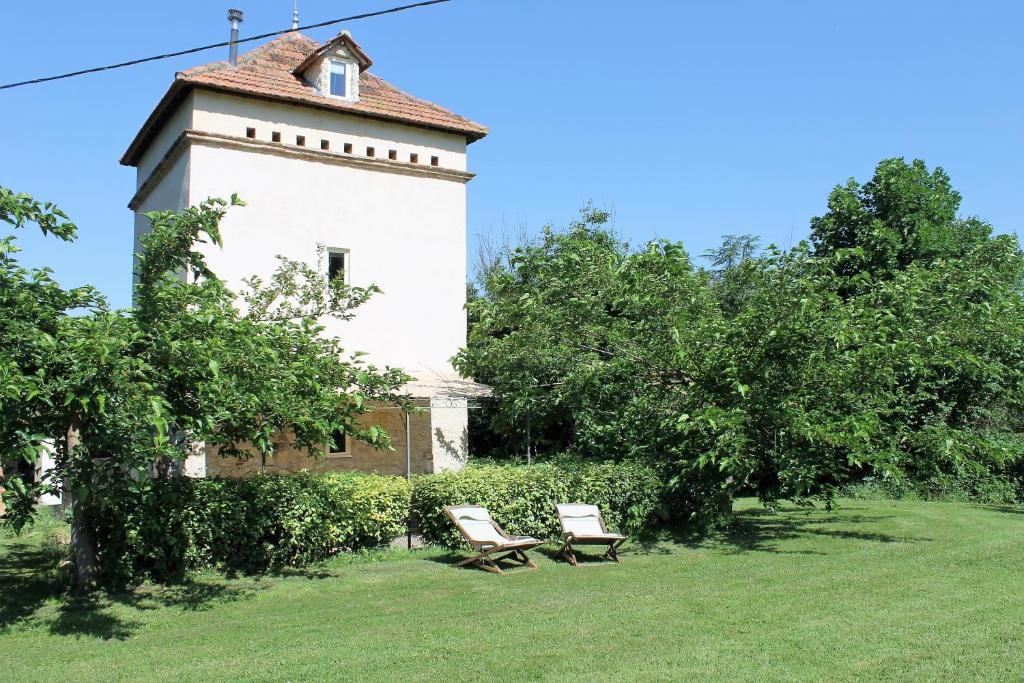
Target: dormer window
334 68
339 78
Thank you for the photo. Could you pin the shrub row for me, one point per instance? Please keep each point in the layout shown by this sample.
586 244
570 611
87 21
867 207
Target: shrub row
522 499
256 524
963 486
172 527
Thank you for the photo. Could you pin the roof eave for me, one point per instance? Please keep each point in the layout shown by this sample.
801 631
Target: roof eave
175 93
180 88
471 134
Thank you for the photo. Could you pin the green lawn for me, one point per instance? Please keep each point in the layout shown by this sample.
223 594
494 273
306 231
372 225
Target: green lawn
877 590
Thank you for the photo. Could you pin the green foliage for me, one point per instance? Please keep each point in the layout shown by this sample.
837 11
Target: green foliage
894 345
247 525
137 389
522 499
124 396
966 486
904 214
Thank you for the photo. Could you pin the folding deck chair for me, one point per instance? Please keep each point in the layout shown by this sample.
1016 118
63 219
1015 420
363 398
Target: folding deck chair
583 525
487 538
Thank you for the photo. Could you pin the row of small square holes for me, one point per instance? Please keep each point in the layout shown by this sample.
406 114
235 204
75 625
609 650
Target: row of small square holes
325 145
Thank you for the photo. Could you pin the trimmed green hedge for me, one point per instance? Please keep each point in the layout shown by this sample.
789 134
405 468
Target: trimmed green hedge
522 499
164 530
248 525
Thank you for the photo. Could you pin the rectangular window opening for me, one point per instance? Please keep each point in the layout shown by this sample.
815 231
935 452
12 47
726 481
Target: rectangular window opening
341 445
300 140
336 265
250 132
348 148
434 161
414 158
325 144
339 82
393 154
370 151
275 136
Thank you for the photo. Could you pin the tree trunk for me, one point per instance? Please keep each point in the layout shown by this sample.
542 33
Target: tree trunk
83 543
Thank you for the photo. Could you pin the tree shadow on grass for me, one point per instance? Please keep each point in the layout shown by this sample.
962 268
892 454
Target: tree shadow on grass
31 576
1008 509
107 615
763 530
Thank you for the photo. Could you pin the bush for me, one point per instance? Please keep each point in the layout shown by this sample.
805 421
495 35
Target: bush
165 529
965 486
180 525
522 499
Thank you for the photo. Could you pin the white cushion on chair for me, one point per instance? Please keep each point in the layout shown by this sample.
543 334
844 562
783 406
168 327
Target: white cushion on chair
474 512
581 520
479 531
477 525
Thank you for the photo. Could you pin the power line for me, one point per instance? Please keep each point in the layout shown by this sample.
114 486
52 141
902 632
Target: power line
225 43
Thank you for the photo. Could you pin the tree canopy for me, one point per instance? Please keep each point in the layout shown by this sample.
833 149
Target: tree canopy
122 397
889 344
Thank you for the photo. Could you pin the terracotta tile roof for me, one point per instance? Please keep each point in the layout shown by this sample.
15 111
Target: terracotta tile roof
267 72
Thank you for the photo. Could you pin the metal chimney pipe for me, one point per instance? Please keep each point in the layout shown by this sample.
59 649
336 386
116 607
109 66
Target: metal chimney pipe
236 17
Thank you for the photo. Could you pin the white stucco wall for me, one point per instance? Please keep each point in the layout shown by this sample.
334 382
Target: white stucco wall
179 120
404 231
170 194
43 465
449 431
231 115
406 234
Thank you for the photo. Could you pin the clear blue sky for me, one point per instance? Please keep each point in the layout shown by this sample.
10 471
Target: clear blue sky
688 119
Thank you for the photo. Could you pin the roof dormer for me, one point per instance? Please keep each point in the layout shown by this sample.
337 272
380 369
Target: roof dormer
334 68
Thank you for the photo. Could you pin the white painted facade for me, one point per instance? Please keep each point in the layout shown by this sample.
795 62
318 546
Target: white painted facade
402 224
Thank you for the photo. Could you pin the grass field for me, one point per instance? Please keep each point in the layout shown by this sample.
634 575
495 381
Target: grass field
878 590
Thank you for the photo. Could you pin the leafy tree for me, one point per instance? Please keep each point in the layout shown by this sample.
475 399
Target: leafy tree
125 396
892 346
734 250
904 214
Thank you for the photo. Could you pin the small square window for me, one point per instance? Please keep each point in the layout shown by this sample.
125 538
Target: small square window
370 151
300 140
434 161
250 132
337 265
393 154
414 158
275 136
348 148
341 445
339 80
325 144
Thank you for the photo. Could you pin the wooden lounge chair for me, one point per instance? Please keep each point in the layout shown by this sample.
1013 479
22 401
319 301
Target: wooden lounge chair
583 525
487 538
